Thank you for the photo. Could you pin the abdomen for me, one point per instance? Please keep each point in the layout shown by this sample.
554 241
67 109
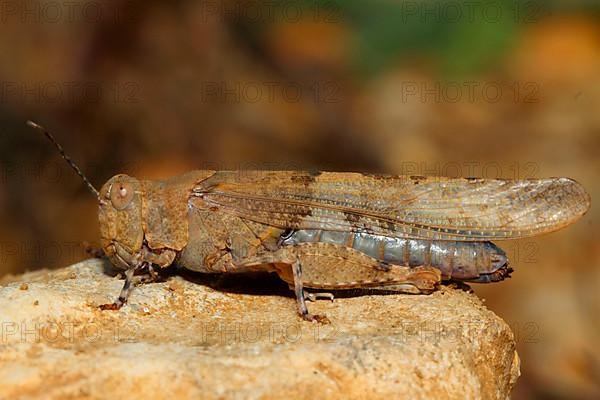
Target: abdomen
466 261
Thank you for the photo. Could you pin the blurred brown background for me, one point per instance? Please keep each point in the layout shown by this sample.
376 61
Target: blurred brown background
482 88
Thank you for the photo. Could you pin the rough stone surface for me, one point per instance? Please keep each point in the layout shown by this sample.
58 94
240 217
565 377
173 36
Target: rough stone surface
197 337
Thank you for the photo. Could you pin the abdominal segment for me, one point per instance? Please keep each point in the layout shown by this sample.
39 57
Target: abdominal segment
465 261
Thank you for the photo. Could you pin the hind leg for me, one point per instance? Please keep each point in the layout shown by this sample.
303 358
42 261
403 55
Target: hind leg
333 267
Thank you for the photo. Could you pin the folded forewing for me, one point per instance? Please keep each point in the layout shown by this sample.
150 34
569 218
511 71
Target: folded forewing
399 206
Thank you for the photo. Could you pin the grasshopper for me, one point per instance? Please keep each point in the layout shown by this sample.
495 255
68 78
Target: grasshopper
326 230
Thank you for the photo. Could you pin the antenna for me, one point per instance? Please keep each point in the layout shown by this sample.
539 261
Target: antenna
65 157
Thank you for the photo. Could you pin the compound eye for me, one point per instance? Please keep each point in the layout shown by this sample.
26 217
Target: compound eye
121 195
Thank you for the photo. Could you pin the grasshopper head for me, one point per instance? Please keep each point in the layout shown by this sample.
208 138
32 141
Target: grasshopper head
120 215
120 218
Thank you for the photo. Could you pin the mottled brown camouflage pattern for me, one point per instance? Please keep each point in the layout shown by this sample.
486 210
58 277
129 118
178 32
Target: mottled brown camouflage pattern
235 221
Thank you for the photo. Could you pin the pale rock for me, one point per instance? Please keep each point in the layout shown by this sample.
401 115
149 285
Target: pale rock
197 337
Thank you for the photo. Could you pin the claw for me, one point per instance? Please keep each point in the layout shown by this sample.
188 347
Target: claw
315 296
111 306
318 318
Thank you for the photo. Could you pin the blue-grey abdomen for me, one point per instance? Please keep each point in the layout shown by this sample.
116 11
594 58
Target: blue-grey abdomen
472 261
